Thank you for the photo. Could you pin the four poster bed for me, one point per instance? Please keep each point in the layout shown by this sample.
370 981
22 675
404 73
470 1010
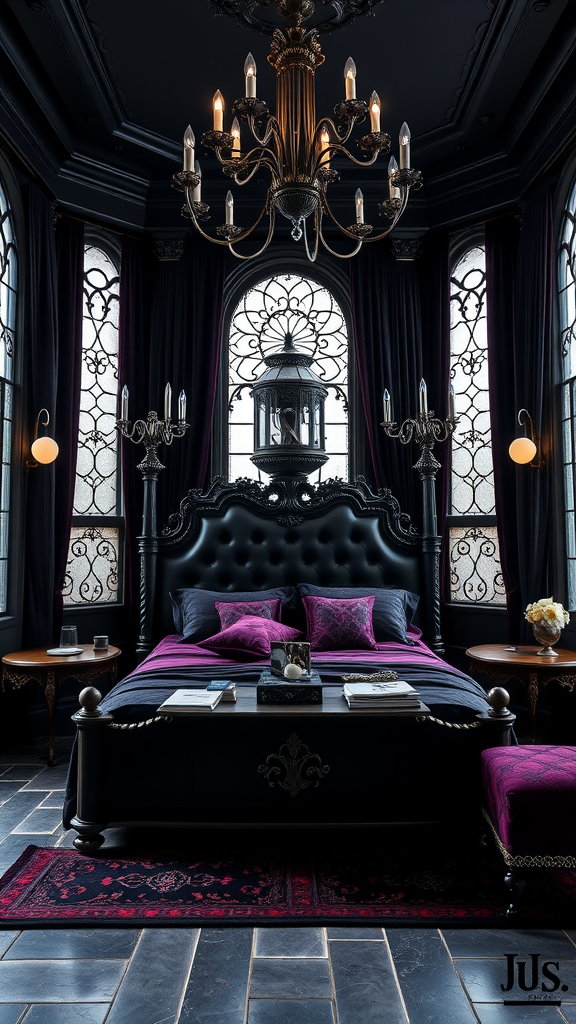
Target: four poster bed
283 545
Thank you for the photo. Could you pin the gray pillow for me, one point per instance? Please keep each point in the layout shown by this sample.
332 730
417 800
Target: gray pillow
196 616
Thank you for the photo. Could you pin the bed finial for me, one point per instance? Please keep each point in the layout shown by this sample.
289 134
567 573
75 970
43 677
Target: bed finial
498 699
89 699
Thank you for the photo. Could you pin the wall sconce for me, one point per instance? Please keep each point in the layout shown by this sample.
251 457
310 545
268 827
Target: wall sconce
524 450
43 449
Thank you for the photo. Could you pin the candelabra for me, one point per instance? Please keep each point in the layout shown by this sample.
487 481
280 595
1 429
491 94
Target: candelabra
151 432
426 430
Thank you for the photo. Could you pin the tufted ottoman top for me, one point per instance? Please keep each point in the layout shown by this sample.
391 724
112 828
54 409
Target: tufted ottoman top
530 797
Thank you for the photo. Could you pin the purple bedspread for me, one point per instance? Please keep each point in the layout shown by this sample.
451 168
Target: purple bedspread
172 665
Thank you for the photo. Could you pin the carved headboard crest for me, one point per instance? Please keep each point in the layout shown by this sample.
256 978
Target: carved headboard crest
289 502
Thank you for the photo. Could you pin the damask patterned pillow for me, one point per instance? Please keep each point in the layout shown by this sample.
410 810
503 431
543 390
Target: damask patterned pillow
392 613
335 625
249 638
231 611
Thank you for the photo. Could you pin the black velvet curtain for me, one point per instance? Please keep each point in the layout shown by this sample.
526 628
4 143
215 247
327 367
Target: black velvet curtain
40 358
133 364
185 341
502 239
385 299
70 277
520 285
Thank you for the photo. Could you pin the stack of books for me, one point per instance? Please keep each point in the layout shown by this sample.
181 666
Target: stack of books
396 697
181 701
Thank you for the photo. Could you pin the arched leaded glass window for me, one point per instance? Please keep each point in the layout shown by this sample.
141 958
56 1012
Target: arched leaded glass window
287 303
475 572
94 561
567 296
8 286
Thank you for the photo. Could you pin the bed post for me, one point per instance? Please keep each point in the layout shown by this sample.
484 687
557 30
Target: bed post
427 467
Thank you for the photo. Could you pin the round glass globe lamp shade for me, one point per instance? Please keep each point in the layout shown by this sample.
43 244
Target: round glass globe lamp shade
522 450
44 450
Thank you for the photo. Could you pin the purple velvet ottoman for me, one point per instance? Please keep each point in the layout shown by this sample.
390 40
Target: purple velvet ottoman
530 805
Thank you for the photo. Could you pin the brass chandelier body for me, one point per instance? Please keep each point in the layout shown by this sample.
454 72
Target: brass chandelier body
294 146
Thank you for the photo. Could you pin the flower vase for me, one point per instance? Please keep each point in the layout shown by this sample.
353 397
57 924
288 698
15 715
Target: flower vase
547 635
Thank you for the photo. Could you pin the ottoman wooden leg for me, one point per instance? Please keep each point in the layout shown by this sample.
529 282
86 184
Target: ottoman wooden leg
515 883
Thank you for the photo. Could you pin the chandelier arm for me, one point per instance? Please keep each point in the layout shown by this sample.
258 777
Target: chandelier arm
272 128
239 255
217 241
368 238
341 138
261 157
335 148
339 255
312 258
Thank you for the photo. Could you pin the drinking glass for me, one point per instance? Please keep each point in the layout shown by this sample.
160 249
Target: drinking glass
69 636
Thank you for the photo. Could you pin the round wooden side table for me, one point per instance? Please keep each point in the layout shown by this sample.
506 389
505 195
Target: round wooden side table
504 662
51 670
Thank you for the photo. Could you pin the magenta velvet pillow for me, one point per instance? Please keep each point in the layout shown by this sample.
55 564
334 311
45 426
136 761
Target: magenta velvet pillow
249 638
231 611
335 625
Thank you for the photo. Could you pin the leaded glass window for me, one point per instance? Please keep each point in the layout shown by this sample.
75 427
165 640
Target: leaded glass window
287 303
8 285
475 571
93 572
567 296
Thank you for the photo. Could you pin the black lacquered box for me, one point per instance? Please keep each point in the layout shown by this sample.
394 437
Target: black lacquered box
271 690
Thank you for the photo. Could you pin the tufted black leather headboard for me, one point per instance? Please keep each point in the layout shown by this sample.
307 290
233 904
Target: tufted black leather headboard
248 536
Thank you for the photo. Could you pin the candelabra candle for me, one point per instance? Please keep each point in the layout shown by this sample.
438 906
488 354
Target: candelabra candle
423 397
235 133
404 139
182 407
387 406
451 405
167 403
197 191
189 143
324 146
359 200
229 208
124 405
392 168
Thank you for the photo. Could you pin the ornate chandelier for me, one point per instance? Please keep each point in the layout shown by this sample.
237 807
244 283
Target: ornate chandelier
293 145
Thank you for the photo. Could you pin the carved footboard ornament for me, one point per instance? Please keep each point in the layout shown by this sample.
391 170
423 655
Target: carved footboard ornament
294 768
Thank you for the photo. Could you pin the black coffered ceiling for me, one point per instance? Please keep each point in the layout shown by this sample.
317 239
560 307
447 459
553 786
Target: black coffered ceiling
96 94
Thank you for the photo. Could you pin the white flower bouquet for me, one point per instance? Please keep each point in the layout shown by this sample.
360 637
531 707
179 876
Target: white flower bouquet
549 612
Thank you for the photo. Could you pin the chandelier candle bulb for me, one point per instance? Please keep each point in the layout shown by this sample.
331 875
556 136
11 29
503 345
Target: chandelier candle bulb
324 145
182 407
359 200
218 107
250 75
375 112
197 191
350 79
404 139
124 403
189 143
423 397
387 407
229 208
393 190
235 133
167 403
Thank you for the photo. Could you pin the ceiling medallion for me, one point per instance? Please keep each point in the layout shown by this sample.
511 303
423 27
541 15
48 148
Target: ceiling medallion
293 145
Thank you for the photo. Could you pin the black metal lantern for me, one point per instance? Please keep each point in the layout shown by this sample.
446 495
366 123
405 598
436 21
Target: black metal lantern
289 415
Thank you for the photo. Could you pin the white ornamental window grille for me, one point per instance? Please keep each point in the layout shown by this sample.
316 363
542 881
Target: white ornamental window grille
8 295
281 305
474 558
94 568
567 297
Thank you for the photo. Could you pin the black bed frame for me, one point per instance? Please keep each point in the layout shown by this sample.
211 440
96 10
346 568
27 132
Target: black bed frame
246 536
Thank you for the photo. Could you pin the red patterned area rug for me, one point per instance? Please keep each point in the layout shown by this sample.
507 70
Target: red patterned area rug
66 888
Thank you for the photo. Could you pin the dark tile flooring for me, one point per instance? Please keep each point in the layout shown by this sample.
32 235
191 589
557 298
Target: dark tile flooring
237 975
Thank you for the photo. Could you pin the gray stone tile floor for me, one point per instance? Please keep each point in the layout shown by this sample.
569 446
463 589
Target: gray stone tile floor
275 975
